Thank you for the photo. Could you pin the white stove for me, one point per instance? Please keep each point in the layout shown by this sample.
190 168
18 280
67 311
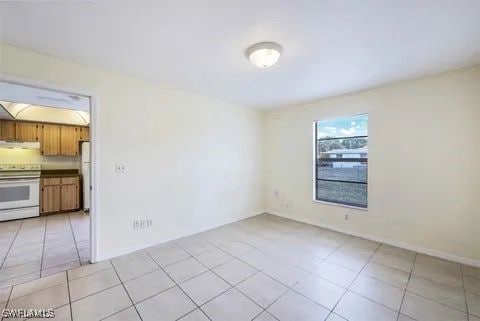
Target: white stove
19 191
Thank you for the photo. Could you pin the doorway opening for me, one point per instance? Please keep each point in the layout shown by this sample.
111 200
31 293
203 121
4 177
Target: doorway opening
46 179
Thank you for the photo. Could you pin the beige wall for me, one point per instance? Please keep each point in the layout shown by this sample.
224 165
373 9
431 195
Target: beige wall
192 163
33 156
424 169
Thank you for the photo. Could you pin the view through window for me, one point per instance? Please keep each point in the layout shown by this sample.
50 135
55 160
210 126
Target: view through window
341 167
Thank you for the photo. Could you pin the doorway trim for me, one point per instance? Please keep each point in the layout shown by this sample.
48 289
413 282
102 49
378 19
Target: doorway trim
94 164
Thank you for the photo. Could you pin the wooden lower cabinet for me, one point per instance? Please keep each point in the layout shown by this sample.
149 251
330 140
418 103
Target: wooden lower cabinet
51 200
60 195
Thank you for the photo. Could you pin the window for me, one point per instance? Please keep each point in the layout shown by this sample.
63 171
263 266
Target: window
341 160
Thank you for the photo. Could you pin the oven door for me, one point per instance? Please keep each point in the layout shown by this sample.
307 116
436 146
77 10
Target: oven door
19 193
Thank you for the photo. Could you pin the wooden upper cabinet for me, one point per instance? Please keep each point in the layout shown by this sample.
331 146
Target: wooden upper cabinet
50 140
69 140
84 134
26 132
7 130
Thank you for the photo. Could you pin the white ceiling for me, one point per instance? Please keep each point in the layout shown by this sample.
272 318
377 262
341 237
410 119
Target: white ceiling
330 47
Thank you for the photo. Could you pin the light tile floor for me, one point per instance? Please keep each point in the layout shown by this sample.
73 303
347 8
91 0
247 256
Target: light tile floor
264 268
37 247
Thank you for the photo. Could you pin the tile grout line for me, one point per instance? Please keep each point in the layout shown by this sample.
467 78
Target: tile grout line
74 239
124 289
353 281
178 285
11 244
254 247
8 300
406 287
465 293
43 246
69 296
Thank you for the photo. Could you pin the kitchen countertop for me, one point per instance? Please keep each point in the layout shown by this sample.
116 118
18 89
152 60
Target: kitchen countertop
59 173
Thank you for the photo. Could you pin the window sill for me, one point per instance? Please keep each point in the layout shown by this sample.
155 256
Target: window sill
342 205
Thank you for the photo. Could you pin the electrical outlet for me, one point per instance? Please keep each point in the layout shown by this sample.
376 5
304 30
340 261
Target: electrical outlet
142 224
119 168
346 217
276 193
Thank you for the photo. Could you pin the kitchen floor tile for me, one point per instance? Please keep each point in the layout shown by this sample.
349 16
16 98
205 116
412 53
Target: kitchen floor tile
232 306
52 297
93 283
169 305
262 289
378 291
292 307
204 287
185 269
387 274
335 273
473 303
131 269
285 273
38 285
213 258
320 290
101 305
438 292
423 309
148 285
195 315
129 314
234 271
354 307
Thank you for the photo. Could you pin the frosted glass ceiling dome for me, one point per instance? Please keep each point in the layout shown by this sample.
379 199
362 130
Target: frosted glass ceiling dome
264 54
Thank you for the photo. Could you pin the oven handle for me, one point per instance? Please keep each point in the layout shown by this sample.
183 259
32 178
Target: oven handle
17 180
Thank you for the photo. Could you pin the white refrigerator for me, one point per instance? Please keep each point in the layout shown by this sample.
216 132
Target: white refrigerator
86 175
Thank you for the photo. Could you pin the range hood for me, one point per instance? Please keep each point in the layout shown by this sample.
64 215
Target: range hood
19 145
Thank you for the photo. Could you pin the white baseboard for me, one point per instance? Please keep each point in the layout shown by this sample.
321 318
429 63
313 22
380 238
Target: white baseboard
132 249
403 245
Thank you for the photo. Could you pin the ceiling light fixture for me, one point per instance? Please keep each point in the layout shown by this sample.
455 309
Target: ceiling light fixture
264 54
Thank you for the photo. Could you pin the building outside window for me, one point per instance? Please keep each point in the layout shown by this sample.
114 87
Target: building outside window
341 160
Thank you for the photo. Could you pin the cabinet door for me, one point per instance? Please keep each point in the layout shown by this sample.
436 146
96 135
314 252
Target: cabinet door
84 134
51 199
7 130
69 140
50 140
26 132
70 197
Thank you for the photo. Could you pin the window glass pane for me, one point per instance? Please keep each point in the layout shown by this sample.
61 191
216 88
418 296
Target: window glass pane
343 127
343 148
342 160
345 193
343 171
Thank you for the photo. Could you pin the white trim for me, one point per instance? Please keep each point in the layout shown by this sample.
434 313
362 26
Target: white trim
365 209
314 164
94 143
403 245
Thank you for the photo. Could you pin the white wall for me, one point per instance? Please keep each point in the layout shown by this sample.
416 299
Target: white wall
424 168
192 163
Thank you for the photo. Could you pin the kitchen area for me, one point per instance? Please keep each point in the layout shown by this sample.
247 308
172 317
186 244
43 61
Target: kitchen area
44 186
